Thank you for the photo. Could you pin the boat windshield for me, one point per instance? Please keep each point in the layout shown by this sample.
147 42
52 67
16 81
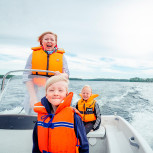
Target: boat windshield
19 91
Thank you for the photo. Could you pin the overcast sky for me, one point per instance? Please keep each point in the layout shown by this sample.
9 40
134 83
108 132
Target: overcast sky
102 38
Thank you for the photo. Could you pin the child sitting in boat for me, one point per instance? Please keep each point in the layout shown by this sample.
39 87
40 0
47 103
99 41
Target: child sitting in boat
89 109
59 127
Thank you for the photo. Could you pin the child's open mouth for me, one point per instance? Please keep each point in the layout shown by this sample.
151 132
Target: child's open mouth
49 46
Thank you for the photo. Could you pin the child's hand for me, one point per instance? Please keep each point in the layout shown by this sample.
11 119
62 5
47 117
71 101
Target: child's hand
91 130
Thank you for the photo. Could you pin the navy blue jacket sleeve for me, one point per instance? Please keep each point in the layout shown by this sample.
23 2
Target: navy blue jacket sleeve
80 129
35 148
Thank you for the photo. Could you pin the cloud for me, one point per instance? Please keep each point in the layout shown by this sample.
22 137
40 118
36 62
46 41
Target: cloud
6 57
101 39
14 51
127 29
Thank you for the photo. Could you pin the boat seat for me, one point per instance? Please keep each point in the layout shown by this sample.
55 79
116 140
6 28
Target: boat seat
96 139
97 133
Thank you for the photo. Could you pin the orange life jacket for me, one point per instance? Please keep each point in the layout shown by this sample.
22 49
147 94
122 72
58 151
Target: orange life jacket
42 61
56 134
86 108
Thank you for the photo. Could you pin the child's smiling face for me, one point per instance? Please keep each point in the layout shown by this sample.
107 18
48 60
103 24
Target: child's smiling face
86 93
56 92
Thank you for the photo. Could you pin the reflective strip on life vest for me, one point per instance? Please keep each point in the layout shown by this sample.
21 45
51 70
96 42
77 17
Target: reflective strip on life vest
56 124
39 106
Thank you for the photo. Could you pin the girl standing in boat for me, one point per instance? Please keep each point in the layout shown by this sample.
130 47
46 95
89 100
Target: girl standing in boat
45 57
89 109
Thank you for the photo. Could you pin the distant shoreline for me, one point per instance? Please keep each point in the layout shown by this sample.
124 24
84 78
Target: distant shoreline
135 79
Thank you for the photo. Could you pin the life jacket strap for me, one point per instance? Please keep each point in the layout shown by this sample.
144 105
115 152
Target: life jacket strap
44 117
84 112
45 151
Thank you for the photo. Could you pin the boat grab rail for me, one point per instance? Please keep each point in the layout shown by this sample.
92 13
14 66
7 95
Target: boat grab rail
23 70
133 143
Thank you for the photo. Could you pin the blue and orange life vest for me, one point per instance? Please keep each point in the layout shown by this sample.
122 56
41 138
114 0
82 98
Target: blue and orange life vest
86 108
56 132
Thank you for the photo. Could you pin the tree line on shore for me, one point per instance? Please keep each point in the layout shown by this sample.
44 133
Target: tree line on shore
135 79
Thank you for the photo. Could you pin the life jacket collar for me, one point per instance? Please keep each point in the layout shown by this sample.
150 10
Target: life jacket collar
90 98
65 103
37 48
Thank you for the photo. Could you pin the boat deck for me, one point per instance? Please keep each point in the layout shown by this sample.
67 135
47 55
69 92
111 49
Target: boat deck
116 135
117 141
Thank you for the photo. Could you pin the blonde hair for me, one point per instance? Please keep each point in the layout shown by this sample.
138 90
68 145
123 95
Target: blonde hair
55 79
40 38
87 86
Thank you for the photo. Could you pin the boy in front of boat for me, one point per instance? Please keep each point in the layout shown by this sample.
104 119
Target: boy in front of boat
89 109
59 127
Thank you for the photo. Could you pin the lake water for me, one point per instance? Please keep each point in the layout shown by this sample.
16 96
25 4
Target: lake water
133 101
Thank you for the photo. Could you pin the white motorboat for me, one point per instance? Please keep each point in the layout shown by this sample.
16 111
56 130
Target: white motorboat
115 134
